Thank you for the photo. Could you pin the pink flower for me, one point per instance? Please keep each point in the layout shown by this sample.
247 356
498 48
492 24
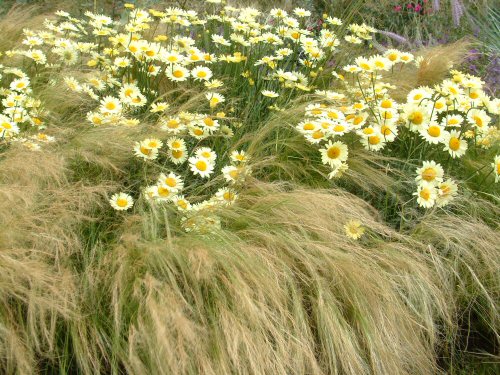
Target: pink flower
398 8
409 6
418 8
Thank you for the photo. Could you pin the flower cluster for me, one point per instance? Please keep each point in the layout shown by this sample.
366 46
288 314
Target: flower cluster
445 120
21 115
136 69
432 188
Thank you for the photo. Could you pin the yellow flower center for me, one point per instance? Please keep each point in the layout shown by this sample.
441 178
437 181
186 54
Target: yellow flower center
454 143
201 165
434 131
358 120
318 134
393 56
228 196
385 130
178 73
163 191
145 150
386 103
308 126
339 128
121 202
478 120
445 189
173 124
177 154
234 173
201 74
429 174
374 140
170 181
110 106
425 194
417 118
333 152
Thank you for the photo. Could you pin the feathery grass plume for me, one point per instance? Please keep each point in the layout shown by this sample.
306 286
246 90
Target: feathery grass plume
466 240
436 61
457 11
271 292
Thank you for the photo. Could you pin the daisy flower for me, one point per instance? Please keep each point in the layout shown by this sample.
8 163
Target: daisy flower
393 55
159 107
150 192
381 63
415 115
389 132
7 127
171 180
334 153
479 118
219 39
164 192
447 190
338 170
430 172
110 105
452 121
181 202
177 73
354 229
153 143
316 137
201 73
233 173
239 156
175 143
143 150
200 166
373 142
19 84
121 201
269 93
426 195
177 156
433 133
496 167
455 145
206 153
172 125
406 57
214 99
226 195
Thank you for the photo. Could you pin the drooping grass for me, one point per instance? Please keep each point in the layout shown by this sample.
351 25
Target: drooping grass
280 289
